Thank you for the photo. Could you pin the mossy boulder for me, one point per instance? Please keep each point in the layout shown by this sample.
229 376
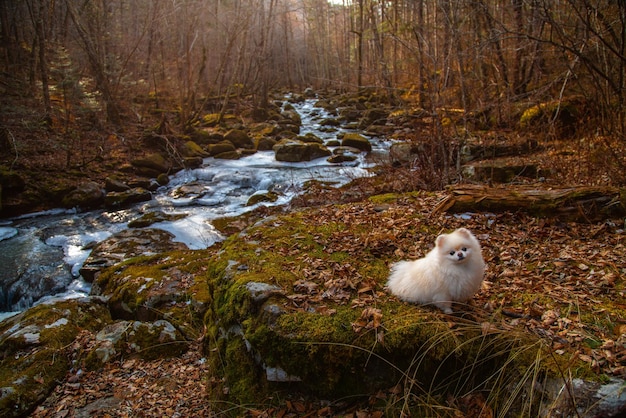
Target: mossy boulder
264 143
357 141
169 285
124 245
34 357
229 155
221 147
293 150
115 200
191 149
310 138
151 165
262 197
564 114
239 139
86 195
299 308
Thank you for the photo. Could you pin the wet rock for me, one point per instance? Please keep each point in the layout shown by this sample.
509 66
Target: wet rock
150 218
221 147
162 179
292 150
228 155
239 139
124 245
112 184
357 141
86 196
265 144
318 151
341 158
310 138
27 278
293 117
33 344
115 200
262 197
191 149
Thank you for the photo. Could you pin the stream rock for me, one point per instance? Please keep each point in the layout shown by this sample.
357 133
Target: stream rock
355 140
151 165
124 245
239 139
191 149
87 195
293 150
221 147
169 285
116 200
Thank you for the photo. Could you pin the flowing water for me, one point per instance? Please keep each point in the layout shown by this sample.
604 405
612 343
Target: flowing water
41 254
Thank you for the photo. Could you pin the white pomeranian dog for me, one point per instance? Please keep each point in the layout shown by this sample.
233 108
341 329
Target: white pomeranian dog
451 272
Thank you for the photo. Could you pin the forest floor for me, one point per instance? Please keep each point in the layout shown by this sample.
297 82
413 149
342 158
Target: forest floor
560 282
177 387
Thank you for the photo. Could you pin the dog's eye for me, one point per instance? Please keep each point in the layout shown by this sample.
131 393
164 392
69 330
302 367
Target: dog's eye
464 249
451 252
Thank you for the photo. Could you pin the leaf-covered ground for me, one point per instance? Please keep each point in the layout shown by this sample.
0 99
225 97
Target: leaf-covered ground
563 282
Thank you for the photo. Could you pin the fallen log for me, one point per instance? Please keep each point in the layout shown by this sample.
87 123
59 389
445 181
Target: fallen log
576 204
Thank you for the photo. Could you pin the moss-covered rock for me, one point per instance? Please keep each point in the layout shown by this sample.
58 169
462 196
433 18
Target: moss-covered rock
264 143
299 306
221 147
564 114
115 200
357 141
153 217
293 150
169 285
124 245
152 165
86 195
239 139
262 197
191 149
33 358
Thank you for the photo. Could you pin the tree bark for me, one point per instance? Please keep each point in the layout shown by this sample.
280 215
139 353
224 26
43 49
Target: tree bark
576 204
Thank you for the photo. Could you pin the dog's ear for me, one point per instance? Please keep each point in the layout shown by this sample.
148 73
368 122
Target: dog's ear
464 231
440 240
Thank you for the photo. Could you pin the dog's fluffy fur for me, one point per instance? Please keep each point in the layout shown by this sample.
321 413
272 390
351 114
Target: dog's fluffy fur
450 272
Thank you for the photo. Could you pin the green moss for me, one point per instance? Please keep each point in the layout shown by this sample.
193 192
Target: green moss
323 340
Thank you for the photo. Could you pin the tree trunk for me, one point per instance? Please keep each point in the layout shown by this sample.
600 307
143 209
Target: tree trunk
577 204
